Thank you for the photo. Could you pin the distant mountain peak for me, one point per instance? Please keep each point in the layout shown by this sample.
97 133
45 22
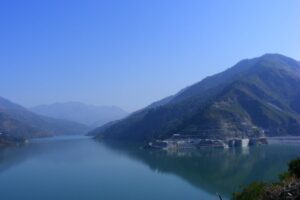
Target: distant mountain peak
17 120
90 115
279 60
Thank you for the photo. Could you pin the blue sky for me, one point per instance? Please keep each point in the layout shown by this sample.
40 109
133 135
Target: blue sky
130 53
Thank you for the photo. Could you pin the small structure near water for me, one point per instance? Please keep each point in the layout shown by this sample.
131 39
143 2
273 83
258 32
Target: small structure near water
238 142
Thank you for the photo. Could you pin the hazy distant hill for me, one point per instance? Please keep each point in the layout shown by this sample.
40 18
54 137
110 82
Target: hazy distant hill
18 121
92 116
255 97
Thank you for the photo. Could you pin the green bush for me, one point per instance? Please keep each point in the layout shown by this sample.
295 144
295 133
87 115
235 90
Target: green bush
294 168
284 176
254 191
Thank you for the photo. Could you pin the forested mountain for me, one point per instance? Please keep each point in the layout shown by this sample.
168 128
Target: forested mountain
17 121
255 97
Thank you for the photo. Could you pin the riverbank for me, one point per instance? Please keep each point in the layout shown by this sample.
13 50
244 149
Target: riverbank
284 140
7 140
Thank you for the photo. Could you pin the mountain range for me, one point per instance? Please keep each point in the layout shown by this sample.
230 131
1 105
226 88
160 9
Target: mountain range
256 97
89 115
18 121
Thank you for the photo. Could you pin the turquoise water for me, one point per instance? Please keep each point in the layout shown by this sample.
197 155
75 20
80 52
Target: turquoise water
84 169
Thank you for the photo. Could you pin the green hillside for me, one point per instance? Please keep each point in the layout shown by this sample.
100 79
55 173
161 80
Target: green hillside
253 98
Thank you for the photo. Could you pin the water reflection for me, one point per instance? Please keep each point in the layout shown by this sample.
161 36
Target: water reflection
10 157
15 155
216 170
211 170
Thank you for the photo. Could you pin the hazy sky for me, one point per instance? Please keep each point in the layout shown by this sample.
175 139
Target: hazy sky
130 53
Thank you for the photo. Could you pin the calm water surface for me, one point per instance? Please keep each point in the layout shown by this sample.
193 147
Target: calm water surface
84 169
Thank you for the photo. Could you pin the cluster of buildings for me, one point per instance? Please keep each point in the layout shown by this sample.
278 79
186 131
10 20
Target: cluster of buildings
178 141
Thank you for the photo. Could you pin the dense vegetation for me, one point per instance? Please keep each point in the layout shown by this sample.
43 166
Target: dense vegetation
287 188
256 97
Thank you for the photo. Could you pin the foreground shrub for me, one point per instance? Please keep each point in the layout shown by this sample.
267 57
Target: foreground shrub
294 168
287 189
254 191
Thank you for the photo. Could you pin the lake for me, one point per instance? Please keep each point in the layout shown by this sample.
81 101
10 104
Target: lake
79 168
